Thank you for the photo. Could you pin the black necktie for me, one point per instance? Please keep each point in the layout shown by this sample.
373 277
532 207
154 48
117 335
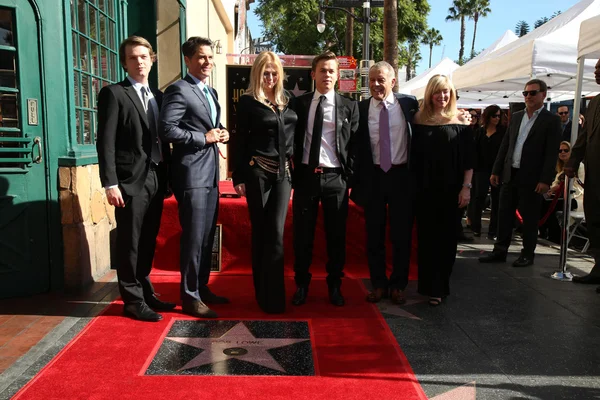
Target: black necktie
155 154
315 143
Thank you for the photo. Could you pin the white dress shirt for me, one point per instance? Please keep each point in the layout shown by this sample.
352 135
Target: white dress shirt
328 157
526 124
398 138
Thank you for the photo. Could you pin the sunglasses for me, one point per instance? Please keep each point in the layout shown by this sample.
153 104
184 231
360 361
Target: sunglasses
563 150
530 92
495 116
563 113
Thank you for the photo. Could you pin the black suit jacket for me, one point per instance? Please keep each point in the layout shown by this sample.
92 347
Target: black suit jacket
124 141
364 155
540 150
346 125
184 120
566 133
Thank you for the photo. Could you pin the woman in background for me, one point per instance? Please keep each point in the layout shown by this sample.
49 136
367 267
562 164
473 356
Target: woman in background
443 160
261 149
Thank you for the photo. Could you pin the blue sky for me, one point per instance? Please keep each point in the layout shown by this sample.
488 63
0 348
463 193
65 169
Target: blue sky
505 15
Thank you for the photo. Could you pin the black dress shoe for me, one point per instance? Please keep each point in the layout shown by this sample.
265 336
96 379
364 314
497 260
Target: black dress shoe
587 279
141 312
300 296
157 304
464 238
209 297
477 234
491 236
335 297
197 309
523 261
492 258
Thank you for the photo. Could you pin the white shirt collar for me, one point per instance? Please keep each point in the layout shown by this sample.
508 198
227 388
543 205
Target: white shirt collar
198 82
329 95
389 100
535 113
136 85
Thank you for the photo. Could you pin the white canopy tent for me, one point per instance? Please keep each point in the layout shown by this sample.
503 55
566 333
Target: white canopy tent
506 38
444 67
548 52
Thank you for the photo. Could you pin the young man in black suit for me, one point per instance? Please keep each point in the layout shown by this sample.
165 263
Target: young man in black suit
190 120
133 172
323 158
384 184
526 167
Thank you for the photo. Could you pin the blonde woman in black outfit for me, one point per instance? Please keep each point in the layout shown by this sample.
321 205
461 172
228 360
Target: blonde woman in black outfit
443 161
261 149
487 143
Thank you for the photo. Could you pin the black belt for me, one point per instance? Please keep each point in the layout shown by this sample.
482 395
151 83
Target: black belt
394 166
325 170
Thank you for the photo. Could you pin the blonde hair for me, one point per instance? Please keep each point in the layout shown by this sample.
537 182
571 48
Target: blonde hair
436 84
560 164
255 87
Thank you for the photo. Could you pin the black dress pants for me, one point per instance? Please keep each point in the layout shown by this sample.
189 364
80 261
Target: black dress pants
268 200
392 194
138 224
330 189
524 198
437 235
482 186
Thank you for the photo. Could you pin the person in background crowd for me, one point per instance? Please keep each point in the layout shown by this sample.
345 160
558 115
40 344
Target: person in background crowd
323 165
551 229
443 160
566 123
525 166
487 143
133 171
384 182
587 149
469 209
261 150
190 121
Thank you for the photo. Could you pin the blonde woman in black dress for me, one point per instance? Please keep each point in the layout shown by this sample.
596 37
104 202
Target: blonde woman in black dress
261 149
443 161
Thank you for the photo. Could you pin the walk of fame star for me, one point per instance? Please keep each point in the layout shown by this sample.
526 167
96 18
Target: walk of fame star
238 343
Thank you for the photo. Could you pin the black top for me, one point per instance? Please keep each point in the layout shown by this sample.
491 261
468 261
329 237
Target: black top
258 133
486 148
441 154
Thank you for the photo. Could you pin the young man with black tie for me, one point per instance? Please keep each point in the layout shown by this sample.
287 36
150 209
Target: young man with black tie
133 171
323 157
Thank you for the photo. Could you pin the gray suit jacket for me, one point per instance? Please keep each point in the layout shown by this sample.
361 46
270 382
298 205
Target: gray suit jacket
540 150
184 120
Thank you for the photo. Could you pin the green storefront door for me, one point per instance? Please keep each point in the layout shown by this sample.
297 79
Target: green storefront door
24 249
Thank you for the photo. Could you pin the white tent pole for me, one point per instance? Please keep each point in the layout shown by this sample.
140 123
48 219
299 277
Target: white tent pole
563 274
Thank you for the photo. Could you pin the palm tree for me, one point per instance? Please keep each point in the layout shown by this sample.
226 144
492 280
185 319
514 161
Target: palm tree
409 55
460 10
390 35
479 8
522 28
432 38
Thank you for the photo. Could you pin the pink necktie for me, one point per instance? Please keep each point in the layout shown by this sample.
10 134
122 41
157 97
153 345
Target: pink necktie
385 152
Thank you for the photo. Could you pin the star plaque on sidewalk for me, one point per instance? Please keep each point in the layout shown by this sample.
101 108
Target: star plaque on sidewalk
234 348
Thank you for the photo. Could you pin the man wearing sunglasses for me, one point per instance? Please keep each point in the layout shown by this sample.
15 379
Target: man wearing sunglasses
566 123
587 149
525 166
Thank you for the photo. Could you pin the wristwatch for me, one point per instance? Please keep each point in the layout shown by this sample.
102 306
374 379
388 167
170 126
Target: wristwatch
468 185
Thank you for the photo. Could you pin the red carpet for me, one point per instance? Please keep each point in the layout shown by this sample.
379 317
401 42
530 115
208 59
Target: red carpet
233 215
354 353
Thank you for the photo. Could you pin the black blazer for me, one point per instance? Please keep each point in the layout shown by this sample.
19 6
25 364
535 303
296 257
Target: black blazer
364 155
184 120
124 141
540 150
346 125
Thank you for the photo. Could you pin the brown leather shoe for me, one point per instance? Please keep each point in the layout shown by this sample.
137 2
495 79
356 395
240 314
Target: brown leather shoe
397 296
376 295
197 309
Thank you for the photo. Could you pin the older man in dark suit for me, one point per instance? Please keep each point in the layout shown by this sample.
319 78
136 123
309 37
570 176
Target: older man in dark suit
384 183
587 149
133 171
323 158
526 166
190 120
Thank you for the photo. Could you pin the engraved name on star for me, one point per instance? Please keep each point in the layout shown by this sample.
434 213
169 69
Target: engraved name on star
239 343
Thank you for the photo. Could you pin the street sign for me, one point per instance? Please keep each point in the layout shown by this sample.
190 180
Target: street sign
356 3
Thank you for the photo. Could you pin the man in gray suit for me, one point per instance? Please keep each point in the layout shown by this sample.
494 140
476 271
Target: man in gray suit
189 119
526 167
586 149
